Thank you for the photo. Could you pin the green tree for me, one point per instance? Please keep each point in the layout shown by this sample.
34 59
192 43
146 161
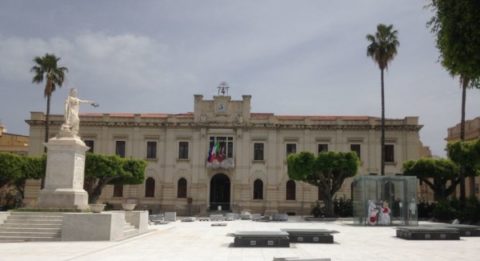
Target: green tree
467 155
457 28
47 67
10 168
327 171
15 170
383 48
441 175
101 170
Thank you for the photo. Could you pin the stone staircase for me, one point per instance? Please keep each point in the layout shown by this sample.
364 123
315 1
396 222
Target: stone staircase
129 230
41 226
31 226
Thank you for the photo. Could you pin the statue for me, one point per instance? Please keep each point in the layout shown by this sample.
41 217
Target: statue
72 120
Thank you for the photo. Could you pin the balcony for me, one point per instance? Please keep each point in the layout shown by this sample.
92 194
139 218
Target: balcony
228 163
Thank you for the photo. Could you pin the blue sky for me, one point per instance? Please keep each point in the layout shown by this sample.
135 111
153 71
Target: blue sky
293 57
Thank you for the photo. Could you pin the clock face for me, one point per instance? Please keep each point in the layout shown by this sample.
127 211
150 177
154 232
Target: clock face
221 107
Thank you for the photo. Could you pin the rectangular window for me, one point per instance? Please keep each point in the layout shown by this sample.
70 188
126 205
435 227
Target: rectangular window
120 148
357 149
223 146
151 149
389 153
291 148
322 148
183 150
90 144
258 151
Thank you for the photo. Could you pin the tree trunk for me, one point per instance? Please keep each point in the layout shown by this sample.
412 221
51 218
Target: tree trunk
464 83
47 123
382 139
328 205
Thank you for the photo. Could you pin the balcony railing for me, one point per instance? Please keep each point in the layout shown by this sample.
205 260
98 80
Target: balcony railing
224 164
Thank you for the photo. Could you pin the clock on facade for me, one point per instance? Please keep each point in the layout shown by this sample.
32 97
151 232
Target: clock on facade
221 107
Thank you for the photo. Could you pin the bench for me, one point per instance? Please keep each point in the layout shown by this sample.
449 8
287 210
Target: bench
310 235
466 230
157 219
261 239
428 233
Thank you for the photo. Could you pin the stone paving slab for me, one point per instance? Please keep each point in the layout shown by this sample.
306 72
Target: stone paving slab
199 241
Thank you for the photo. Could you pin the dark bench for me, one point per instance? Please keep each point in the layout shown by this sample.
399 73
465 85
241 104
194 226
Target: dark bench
466 230
310 235
428 233
261 239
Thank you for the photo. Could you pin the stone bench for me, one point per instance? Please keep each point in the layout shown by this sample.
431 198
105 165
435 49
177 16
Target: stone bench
157 219
261 239
217 217
300 259
218 224
428 233
466 230
310 235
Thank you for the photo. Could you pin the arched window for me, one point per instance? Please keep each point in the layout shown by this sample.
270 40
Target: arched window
182 188
258 189
118 190
150 188
290 190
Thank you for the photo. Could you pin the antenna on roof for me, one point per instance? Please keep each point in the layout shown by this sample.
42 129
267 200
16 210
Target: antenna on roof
223 89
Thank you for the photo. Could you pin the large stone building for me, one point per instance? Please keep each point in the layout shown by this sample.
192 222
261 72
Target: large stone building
249 168
472 132
13 143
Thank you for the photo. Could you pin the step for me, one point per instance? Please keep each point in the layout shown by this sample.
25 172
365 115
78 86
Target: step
34 217
29 229
39 233
26 239
34 221
130 232
21 213
23 225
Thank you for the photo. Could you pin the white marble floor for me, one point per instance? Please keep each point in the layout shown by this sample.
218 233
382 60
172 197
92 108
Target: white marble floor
199 241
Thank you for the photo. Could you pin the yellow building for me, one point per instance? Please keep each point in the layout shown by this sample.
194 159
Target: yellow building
472 132
252 173
13 143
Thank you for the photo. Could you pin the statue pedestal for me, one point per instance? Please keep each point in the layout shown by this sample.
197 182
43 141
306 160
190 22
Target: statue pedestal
65 175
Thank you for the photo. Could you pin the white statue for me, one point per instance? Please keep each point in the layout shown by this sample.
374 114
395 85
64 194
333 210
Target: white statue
72 106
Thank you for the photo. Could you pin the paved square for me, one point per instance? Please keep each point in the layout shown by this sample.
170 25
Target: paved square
200 241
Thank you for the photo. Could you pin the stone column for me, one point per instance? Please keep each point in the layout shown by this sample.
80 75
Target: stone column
65 175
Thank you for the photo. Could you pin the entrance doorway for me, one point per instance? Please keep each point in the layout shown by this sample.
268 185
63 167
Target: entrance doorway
220 192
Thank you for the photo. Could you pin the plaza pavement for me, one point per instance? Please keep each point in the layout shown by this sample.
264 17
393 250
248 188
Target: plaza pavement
200 241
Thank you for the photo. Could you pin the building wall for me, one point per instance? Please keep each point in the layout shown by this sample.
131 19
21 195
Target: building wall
13 143
225 117
472 132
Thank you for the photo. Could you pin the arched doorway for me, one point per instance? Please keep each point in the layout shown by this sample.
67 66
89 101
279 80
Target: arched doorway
220 192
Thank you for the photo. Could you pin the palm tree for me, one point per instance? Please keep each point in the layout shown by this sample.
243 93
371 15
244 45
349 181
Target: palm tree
383 48
47 67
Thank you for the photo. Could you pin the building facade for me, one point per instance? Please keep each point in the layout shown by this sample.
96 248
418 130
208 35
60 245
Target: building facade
224 155
472 132
13 143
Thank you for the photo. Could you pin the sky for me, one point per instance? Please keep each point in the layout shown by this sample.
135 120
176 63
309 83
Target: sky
302 57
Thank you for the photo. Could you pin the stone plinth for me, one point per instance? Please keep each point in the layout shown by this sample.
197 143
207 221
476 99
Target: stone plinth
105 226
65 174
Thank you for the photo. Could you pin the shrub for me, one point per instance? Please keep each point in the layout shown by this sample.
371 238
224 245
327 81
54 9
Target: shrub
343 207
471 213
443 211
425 210
318 210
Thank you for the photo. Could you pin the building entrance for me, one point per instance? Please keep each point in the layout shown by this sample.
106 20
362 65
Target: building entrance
220 192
